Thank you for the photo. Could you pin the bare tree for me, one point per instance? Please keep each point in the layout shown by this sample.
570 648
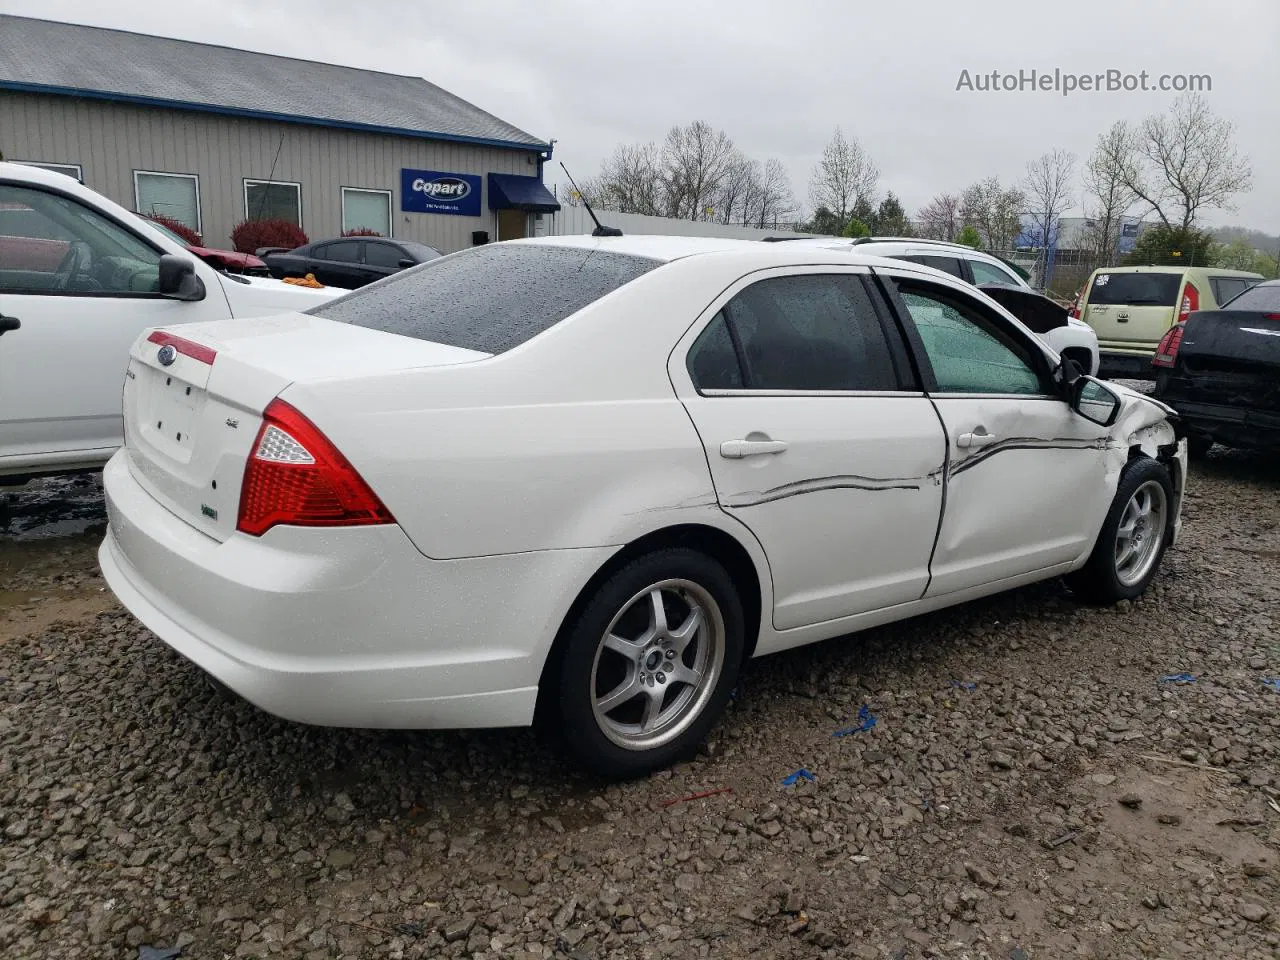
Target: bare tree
1107 196
737 189
1184 162
695 159
939 219
844 176
630 180
996 213
1048 191
775 202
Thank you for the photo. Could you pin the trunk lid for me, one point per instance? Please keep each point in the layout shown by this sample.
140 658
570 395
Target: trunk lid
190 423
1133 308
1231 358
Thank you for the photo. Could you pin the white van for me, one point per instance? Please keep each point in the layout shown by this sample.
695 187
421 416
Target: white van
80 278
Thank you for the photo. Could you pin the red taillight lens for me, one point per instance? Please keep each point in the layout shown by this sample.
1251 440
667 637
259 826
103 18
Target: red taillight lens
188 348
1190 301
295 476
1167 351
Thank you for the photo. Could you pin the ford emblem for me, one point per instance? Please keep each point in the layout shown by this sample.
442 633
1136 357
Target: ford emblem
168 353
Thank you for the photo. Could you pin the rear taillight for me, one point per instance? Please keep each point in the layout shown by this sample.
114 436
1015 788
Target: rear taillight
1190 301
295 476
1167 351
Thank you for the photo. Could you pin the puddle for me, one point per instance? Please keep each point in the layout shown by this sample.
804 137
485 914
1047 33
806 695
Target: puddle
52 507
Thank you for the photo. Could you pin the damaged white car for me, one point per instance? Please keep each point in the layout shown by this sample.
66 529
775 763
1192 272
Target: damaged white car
585 478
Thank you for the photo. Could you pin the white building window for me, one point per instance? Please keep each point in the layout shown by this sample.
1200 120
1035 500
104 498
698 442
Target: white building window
366 210
70 169
273 200
174 195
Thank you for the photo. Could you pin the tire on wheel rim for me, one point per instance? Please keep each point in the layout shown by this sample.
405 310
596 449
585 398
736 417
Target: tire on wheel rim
649 663
1133 537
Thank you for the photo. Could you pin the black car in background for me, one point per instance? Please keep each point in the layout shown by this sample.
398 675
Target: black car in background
1220 370
349 262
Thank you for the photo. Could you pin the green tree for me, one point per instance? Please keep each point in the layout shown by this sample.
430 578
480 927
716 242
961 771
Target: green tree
856 228
969 236
891 218
1162 245
1239 254
823 222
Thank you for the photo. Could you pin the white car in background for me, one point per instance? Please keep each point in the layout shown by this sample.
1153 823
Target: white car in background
80 278
586 478
1071 337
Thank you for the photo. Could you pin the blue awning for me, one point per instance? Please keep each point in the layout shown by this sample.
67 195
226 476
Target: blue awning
510 192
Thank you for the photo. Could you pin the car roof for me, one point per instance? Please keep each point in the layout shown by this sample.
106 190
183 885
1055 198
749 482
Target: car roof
1170 268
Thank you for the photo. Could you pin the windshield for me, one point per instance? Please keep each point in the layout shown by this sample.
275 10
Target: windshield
489 298
1136 289
1264 297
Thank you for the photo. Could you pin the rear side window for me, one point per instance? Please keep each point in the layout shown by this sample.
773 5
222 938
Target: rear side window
811 332
343 251
1263 297
949 265
1135 289
1228 288
489 298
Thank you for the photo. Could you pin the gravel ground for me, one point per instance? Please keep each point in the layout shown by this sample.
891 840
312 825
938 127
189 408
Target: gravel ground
1030 789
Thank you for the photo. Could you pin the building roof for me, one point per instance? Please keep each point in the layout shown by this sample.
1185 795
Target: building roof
42 56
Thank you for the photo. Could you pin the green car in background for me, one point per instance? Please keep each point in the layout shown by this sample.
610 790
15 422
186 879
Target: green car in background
1131 308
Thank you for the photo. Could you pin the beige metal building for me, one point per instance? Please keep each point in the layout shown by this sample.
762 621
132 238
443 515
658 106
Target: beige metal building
213 136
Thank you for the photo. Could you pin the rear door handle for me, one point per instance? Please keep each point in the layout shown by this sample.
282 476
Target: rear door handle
8 323
737 449
972 441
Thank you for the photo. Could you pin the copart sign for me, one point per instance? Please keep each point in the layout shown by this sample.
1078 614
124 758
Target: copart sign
433 191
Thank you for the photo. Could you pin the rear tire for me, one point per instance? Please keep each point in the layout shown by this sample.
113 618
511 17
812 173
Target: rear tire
1133 537
649 663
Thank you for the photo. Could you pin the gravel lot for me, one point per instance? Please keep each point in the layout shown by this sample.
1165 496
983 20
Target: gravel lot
1030 789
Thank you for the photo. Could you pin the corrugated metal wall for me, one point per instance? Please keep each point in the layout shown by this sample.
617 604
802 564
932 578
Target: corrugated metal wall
110 141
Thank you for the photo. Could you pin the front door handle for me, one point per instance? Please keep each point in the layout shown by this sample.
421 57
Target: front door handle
972 441
8 323
737 449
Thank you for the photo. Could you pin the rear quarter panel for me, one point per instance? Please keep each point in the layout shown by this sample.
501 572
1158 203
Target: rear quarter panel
573 439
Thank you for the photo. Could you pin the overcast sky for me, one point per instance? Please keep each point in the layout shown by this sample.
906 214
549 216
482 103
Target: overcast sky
778 77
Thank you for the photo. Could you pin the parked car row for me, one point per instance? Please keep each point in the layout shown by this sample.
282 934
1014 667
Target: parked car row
349 262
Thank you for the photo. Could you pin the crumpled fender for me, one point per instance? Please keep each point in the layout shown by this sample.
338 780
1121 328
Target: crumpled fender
1147 427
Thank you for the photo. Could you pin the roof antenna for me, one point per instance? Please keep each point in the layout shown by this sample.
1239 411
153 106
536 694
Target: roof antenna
601 230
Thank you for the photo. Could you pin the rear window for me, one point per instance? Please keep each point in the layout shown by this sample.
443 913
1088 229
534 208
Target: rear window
489 298
1265 297
1136 289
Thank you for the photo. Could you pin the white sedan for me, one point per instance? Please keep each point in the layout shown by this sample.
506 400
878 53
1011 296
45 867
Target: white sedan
80 278
584 479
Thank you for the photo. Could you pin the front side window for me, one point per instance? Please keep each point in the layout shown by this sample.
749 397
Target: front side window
968 349
270 200
51 244
809 332
382 254
173 195
489 298
366 210
984 272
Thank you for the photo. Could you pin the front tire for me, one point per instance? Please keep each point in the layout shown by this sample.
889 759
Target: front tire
1133 538
649 663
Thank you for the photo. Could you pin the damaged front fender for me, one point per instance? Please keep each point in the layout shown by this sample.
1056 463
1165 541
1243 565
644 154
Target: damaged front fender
1145 427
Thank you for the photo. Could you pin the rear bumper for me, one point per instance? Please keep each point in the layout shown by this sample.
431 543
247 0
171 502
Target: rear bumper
1126 364
349 627
1242 427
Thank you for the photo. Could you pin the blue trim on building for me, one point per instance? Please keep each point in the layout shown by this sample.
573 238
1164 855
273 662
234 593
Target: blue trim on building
543 150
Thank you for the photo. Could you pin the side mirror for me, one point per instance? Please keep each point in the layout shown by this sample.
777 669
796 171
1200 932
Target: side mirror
178 280
405 263
1095 401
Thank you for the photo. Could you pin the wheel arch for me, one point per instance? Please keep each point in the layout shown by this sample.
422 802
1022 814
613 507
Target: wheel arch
715 542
